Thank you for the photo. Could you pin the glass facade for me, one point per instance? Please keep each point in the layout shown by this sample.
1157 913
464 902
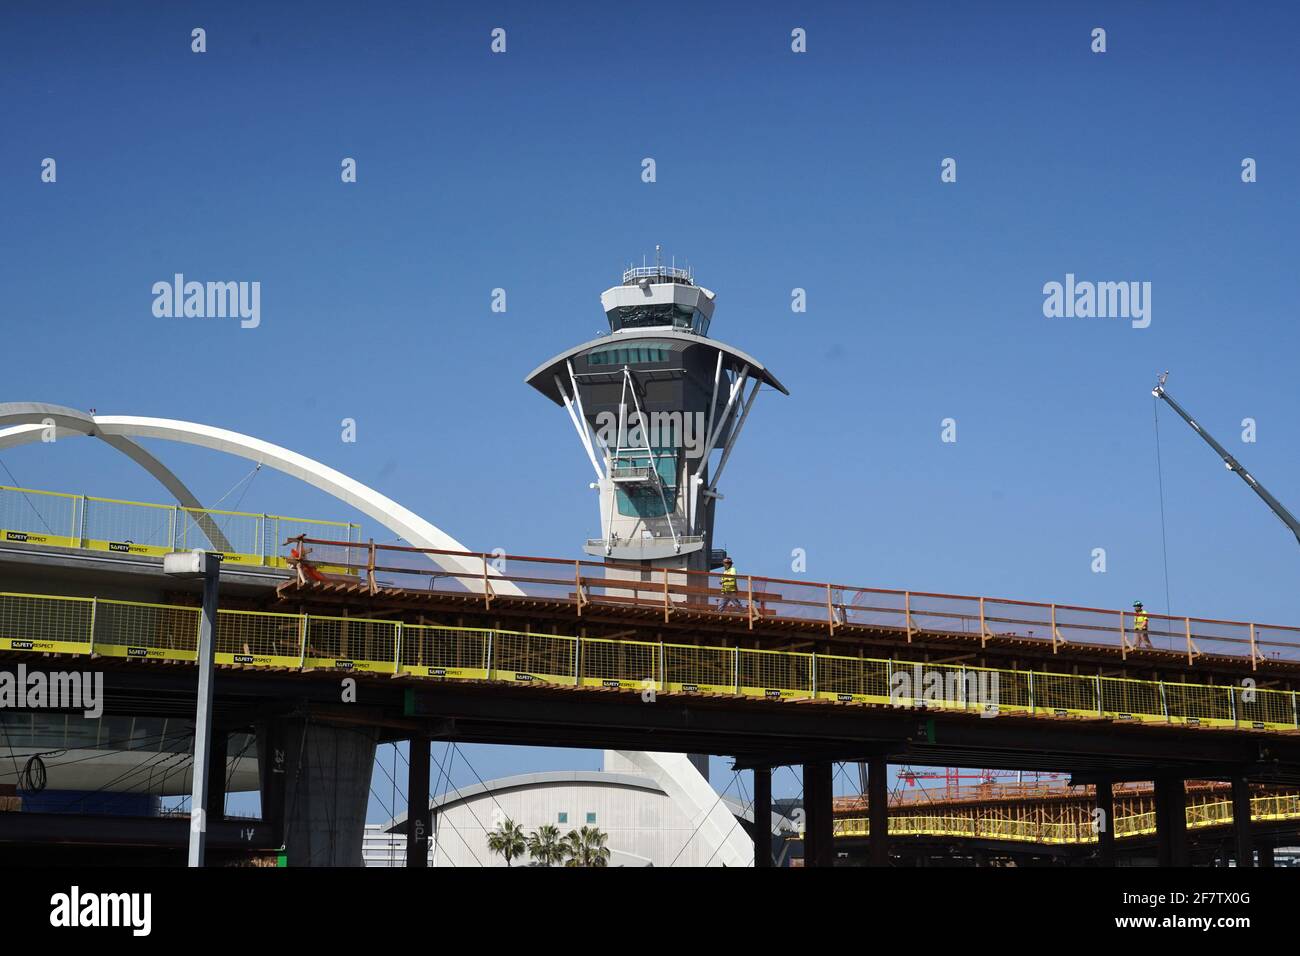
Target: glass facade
627 355
657 316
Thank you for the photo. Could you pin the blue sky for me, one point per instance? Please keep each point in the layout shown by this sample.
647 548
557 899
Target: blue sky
775 170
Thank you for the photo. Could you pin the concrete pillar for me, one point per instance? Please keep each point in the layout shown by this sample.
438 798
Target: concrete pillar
327 789
818 799
271 759
417 804
1171 821
1106 835
763 816
1245 850
878 811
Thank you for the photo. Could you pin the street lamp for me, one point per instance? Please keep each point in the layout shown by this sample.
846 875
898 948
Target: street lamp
205 566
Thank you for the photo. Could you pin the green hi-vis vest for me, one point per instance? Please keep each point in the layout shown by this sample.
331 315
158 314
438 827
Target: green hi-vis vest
1140 621
729 580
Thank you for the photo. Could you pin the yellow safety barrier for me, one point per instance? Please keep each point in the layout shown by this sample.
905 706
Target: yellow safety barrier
132 629
29 622
260 638
448 652
625 664
146 631
351 643
1029 829
59 519
705 670
534 657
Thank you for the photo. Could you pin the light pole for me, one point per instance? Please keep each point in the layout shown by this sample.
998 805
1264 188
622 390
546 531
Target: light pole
200 564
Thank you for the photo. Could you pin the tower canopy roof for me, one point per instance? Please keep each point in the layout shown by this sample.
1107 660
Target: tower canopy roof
542 378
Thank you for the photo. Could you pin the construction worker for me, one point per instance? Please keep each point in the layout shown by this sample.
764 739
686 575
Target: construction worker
730 593
1140 624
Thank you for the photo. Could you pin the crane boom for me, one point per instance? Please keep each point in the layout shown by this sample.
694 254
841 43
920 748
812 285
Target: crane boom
1276 506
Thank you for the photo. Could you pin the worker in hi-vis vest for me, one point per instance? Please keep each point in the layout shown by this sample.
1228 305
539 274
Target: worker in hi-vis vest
730 592
1140 625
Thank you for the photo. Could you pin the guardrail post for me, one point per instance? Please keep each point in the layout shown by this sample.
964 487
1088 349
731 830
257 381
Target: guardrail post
487 588
663 668
302 643
261 538
751 602
983 626
814 673
907 614
1232 702
1031 692
667 600
1101 707
577 585
830 613
94 613
577 651
488 655
1123 639
81 523
1054 634
1254 654
735 666
1164 701
370 568
1190 645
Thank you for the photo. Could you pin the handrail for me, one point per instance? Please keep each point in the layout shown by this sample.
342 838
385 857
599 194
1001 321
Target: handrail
42 623
33 516
908 612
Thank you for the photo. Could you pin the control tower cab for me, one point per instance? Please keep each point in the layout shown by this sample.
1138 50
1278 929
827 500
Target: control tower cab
658 407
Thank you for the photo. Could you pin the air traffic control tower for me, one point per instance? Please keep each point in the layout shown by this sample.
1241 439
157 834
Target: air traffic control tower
658 407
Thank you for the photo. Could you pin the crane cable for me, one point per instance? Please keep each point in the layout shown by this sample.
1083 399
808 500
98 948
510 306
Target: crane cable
1160 480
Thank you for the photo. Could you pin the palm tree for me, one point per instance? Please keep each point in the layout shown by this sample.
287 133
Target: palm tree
507 839
545 846
586 847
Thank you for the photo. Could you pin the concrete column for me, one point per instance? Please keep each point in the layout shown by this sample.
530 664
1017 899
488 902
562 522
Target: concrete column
1245 850
818 797
1171 821
1106 835
271 776
763 816
878 811
417 804
327 789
